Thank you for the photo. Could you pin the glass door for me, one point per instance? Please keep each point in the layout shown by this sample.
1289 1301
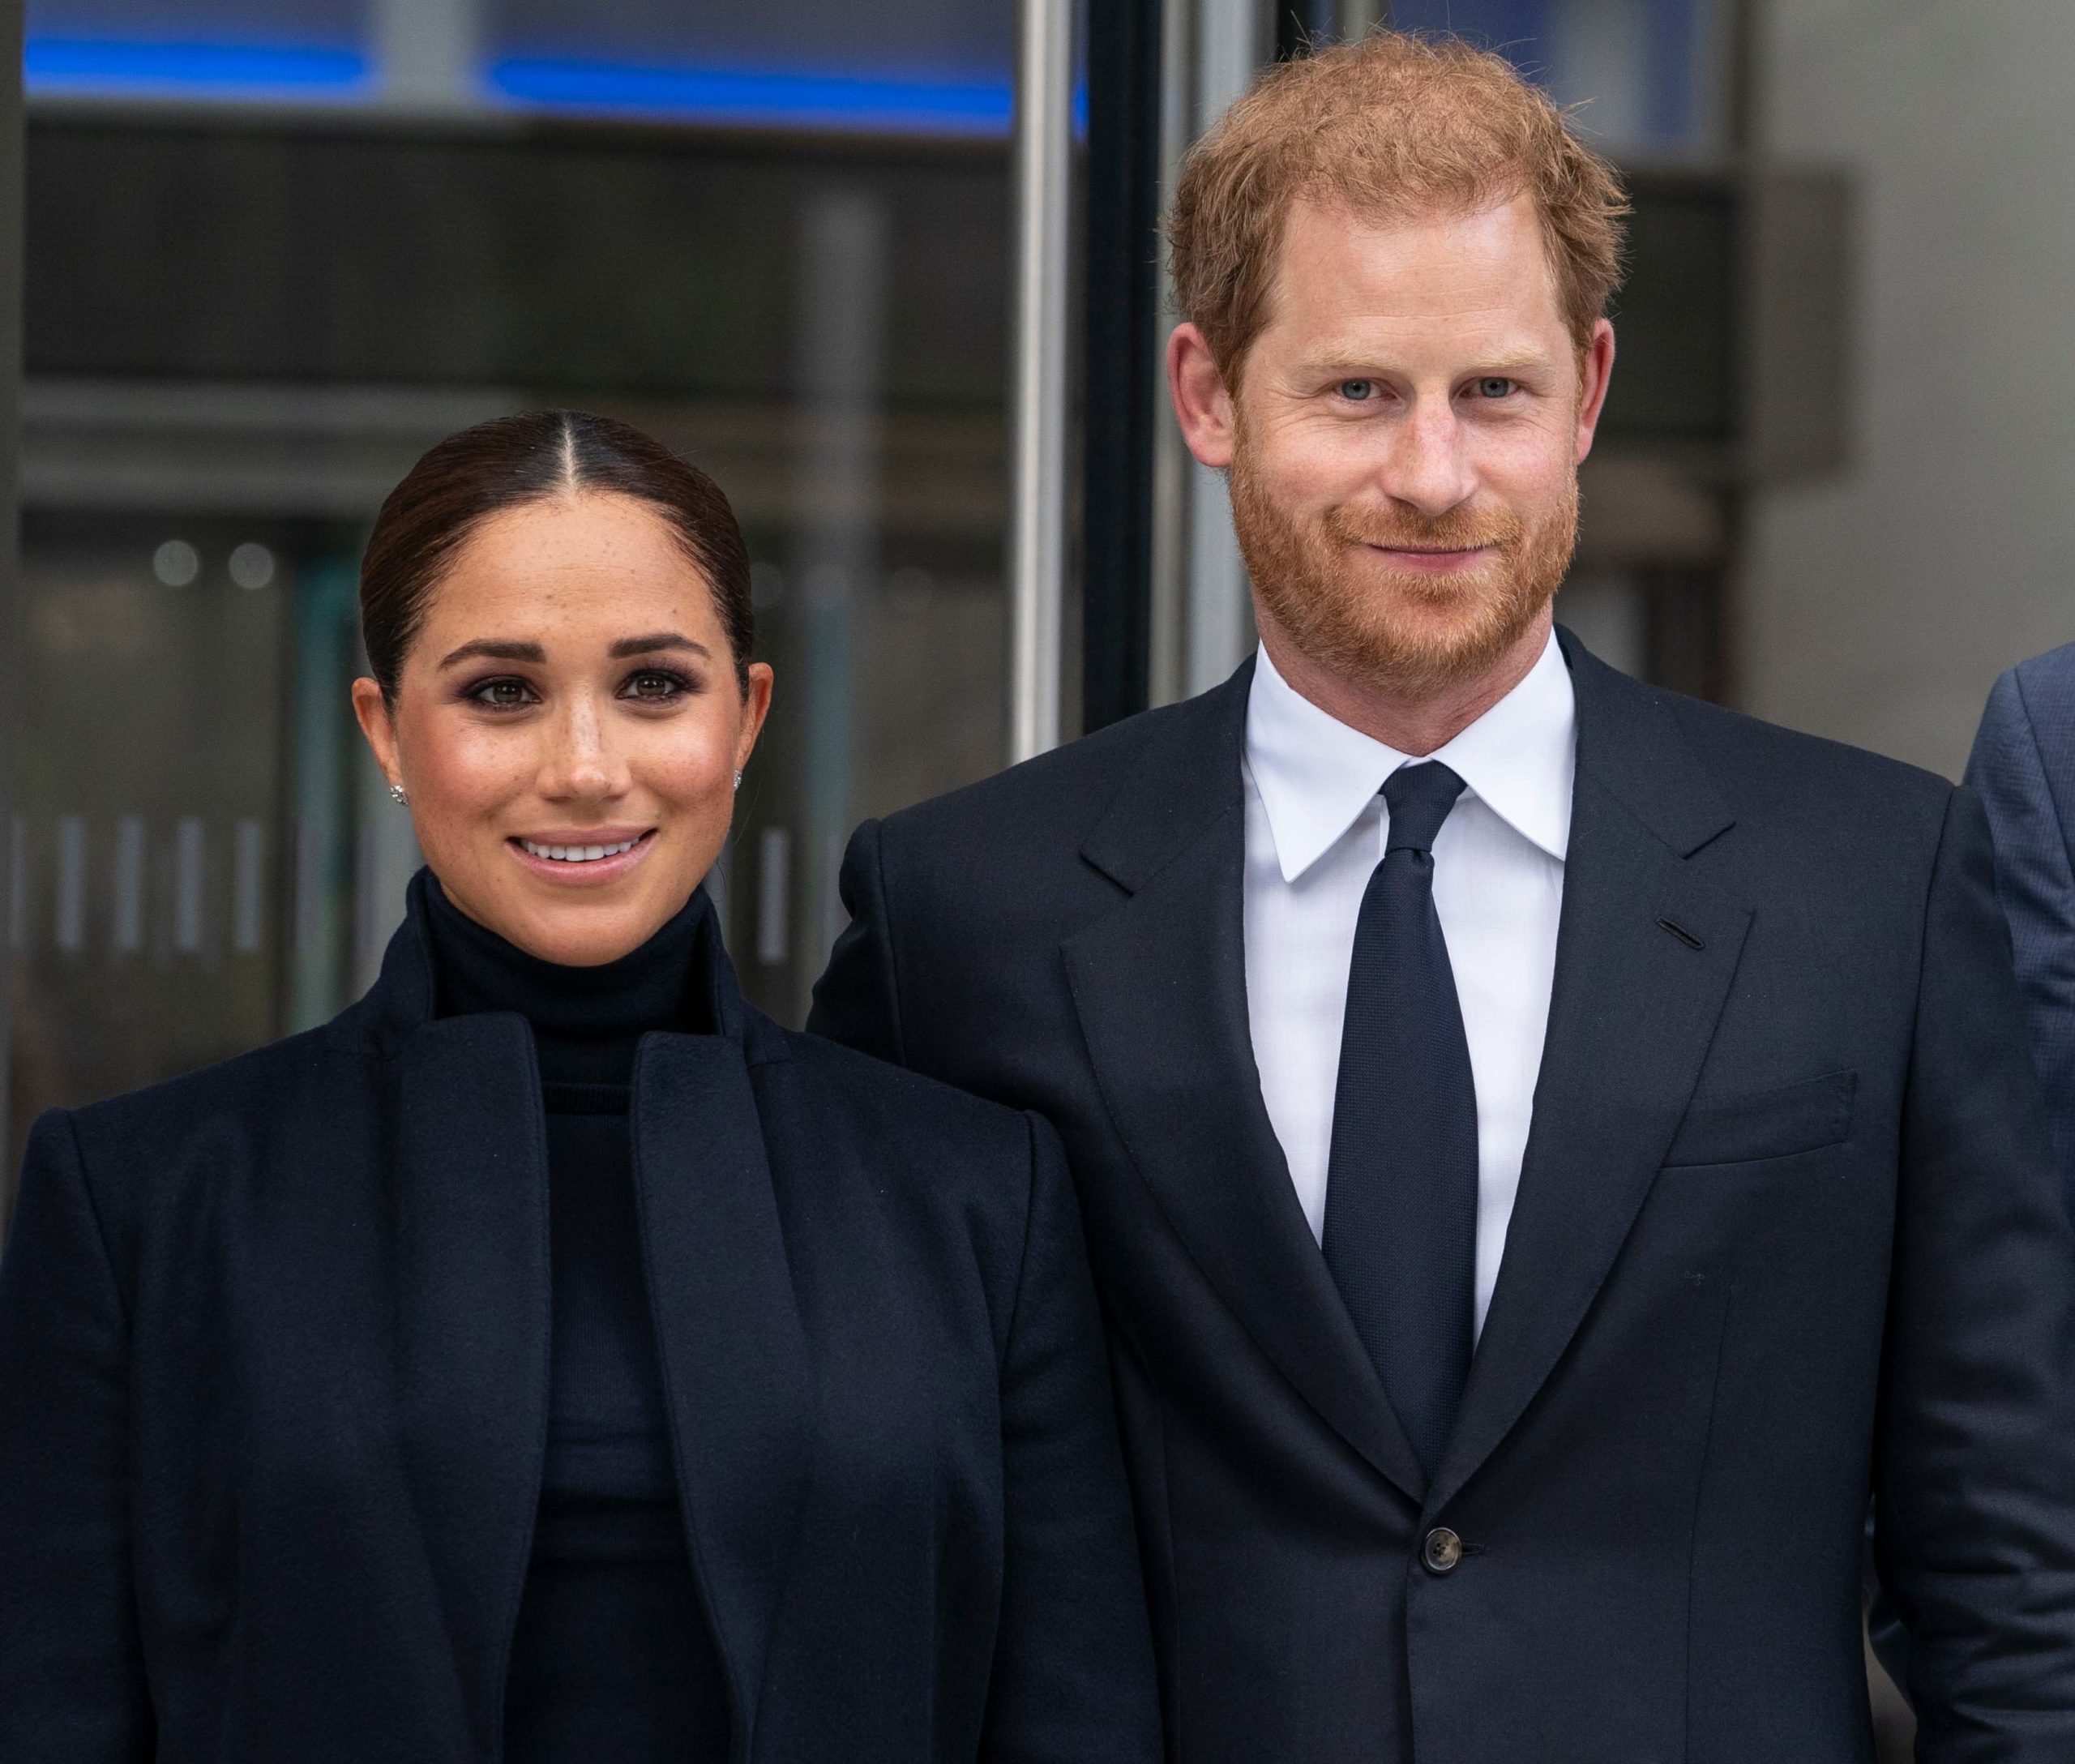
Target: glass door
276 249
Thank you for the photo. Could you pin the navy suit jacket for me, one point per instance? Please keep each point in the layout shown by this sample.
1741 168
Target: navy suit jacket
1788 1237
273 1389
2023 765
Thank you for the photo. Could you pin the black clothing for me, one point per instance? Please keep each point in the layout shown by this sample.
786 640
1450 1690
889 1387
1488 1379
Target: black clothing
611 1661
274 1404
1787 1236
1400 1235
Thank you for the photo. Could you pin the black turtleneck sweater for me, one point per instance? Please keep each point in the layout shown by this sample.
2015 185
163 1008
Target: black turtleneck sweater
612 1662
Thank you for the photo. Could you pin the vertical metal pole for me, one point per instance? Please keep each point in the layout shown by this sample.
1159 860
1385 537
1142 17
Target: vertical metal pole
428 53
11 146
1038 371
1121 337
846 266
1358 18
1235 40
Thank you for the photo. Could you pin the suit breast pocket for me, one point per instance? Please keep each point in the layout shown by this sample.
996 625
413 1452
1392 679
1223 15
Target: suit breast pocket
1755 1124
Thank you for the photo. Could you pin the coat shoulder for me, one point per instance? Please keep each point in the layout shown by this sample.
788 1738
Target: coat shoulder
2050 677
234 1095
903 1108
1764 768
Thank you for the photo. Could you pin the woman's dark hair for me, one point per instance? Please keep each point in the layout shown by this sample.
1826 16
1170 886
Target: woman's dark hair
513 461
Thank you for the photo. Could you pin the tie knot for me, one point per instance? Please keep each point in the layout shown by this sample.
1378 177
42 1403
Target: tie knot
1419 798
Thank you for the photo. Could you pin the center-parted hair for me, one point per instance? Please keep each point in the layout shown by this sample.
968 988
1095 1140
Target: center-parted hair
512 461
1395 127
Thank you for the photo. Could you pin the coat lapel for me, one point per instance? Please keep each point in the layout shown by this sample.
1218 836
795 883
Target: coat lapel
1160 988
470 1203
470 1207
1633 1009
734 1353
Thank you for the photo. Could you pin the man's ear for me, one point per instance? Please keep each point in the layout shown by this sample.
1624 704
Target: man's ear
1202 406
1595 375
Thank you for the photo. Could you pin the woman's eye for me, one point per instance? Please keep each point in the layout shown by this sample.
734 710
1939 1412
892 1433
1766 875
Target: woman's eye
1357 390
651 687
1493 386
503 695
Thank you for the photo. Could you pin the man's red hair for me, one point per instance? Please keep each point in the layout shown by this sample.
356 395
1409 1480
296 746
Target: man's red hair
1390 127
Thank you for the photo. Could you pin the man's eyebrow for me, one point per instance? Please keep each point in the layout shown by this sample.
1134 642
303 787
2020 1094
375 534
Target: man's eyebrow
490 649
656 640
1519 361
1354 365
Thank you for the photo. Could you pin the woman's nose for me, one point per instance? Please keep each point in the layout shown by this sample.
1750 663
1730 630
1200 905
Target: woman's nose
581 761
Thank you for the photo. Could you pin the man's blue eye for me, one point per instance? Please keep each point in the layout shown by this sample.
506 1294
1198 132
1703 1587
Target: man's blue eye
1357 390
1493 386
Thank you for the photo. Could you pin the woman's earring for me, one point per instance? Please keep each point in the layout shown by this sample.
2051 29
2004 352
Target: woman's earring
738 780
396 795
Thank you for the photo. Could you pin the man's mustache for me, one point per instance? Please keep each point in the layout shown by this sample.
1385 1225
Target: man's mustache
1458 530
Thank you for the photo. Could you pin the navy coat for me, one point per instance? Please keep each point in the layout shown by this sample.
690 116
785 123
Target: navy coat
273 1404
2023 764
1787 1237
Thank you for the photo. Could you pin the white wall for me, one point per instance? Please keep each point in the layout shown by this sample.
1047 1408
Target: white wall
1878 607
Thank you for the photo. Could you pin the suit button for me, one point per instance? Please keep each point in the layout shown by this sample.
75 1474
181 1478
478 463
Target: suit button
1441 1551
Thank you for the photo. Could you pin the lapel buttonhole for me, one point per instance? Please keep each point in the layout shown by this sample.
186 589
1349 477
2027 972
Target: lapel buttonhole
1682 934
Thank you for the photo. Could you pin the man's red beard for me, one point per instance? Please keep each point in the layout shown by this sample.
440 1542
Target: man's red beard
1413 632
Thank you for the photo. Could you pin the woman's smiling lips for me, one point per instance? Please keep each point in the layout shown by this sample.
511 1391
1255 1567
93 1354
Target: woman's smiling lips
582 857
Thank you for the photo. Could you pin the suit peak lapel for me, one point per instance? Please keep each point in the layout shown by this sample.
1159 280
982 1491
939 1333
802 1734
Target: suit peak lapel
1630 741
1160 987
1186 776
1632 1012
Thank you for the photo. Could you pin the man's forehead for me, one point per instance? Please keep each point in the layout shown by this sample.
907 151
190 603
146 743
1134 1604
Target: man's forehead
1481 269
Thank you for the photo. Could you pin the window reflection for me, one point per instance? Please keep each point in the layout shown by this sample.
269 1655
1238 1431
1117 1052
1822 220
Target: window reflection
246 320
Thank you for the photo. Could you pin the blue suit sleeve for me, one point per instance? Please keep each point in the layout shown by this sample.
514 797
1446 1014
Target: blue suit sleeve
72 1687
2035 885
1974 1454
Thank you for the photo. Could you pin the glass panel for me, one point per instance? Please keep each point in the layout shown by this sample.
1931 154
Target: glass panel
334 24
241 330
928 66
146 845
315 48
1644 69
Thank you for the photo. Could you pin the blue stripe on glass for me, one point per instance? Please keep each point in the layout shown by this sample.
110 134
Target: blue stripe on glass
762 95
766 97
80 64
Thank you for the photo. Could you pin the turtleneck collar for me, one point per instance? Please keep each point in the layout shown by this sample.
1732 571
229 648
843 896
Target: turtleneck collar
587 1022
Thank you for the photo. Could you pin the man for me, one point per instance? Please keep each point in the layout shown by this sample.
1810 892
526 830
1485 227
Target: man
2023 765
1551 1151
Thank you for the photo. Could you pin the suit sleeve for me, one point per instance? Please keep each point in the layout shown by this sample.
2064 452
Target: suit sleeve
2036 885
1073 1678
1974 1468
72 1686
857 1000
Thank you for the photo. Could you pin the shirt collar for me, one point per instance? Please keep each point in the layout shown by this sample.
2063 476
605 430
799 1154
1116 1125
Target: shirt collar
1315 775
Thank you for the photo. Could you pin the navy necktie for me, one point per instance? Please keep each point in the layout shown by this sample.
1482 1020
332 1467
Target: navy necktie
1400 1226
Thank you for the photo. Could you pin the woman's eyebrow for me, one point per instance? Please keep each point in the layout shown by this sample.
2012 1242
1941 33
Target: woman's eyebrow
654 641
493 650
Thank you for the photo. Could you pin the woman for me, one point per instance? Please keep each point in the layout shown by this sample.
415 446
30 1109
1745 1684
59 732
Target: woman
552 1358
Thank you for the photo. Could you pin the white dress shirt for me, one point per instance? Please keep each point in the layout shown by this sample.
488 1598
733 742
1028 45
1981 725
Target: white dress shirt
1315 833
